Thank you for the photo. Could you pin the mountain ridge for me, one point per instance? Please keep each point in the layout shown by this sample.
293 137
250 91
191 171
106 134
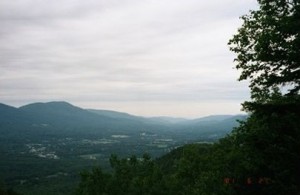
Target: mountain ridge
63 117
114 114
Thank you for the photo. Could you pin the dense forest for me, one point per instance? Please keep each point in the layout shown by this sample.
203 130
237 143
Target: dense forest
262 155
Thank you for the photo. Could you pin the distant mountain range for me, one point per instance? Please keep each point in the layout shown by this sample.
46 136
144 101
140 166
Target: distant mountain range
64 118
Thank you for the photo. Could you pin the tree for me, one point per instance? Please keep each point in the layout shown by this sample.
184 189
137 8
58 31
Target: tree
94 182
268 48
268 54
269 147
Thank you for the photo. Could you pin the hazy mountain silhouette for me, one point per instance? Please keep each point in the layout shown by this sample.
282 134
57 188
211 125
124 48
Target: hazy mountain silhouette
63 117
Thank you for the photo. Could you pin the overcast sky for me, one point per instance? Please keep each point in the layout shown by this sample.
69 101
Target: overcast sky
145 57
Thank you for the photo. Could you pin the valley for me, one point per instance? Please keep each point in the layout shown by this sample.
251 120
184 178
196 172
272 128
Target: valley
44 146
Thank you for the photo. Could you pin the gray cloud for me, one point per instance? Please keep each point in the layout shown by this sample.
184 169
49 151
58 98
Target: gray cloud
123 53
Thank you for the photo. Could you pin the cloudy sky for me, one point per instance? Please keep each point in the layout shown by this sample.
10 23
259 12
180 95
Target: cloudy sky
149 57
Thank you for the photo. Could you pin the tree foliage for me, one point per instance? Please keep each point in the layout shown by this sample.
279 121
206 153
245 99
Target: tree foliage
268 47
192 171
268 54
129 176
270 147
